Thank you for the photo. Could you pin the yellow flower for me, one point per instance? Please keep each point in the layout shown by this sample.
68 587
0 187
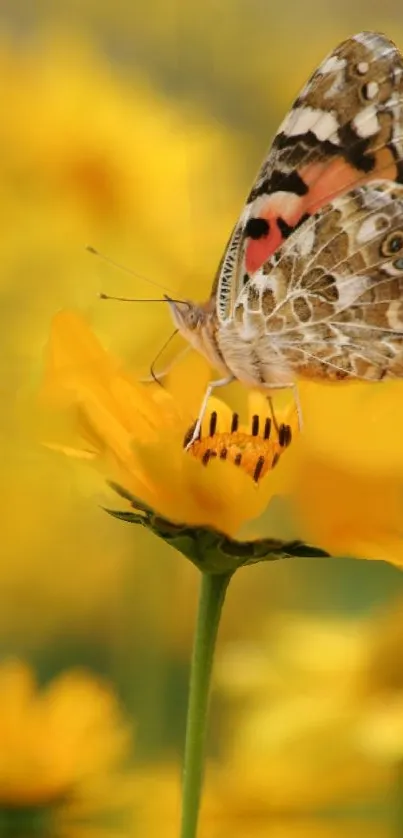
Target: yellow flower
61 748
348 469
137 434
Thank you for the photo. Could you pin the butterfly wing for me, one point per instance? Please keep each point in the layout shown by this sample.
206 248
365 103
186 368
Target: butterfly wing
345 128
329 302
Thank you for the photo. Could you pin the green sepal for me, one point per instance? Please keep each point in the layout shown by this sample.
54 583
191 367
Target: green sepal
129 517
211 551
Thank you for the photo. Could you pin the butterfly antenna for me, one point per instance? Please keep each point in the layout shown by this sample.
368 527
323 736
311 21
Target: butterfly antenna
90 249
165 299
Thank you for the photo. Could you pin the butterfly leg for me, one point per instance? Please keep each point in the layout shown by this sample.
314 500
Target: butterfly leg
222 382
272 413
294 388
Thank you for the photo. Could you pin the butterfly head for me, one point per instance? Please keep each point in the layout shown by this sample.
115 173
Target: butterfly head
197 324
187 316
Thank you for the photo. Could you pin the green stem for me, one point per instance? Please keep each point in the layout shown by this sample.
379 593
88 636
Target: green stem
211 598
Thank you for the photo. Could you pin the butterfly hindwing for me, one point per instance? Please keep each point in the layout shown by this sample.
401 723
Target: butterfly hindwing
345 128
329 302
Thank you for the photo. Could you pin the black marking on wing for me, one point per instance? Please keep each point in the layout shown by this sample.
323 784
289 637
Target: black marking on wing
287 229
398 161
308 139
256 228
280 182
303 218
355 149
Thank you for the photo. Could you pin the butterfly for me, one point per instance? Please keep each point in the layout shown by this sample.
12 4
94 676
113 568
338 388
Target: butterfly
311 281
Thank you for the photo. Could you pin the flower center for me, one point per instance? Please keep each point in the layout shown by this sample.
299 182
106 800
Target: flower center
256 450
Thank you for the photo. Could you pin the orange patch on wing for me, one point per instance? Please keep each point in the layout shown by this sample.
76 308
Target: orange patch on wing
278 205
325 181
258 251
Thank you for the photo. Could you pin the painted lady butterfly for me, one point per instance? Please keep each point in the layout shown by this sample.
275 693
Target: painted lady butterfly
311 282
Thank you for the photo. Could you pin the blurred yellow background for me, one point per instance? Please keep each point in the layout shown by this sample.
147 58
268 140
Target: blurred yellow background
137 128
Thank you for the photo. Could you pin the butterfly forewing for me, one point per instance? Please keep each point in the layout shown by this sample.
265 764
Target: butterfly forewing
344 129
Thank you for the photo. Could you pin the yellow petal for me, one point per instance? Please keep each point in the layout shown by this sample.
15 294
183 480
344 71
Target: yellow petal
357 425
345 512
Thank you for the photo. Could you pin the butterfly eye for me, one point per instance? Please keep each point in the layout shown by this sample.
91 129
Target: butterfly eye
392 244
398 264
194 319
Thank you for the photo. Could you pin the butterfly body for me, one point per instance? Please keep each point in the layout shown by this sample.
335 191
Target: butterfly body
311 282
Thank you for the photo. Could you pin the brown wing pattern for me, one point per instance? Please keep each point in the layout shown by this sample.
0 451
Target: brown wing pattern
330 301
345 128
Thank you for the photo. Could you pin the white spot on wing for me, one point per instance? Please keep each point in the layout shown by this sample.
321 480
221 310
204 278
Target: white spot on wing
323 124
366 122
376 196
260 281
306 241
367 231
332 64
351 289
371 89
397 72
363 67
395 321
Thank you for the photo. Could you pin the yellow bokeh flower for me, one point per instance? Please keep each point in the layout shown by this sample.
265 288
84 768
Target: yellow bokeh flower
137 434
380 691
94 155
292 716
62 749
314 715
235 807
